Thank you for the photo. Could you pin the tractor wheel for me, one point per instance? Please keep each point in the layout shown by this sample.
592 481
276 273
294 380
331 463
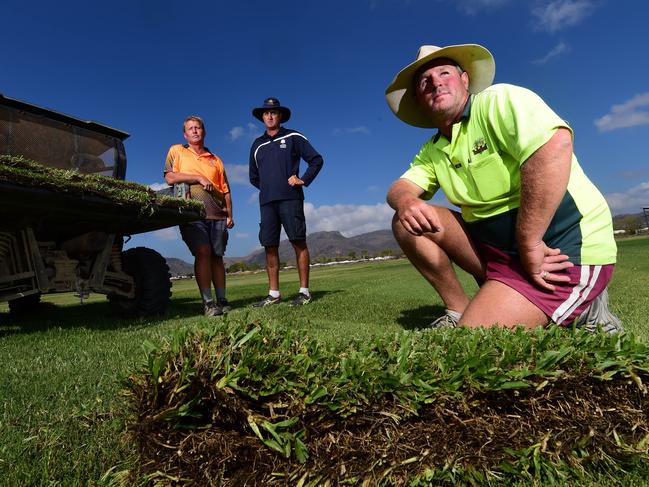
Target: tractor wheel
26 304
151 274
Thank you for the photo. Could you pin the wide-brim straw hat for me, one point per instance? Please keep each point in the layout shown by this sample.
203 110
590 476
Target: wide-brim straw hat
476 60
271 104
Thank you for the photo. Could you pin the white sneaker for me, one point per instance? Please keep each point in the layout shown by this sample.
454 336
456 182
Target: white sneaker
212 309
598 315
444 321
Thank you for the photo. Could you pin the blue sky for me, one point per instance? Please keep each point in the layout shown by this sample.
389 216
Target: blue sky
143 66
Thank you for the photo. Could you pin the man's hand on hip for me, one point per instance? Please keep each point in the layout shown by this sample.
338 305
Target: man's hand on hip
295 181
544 265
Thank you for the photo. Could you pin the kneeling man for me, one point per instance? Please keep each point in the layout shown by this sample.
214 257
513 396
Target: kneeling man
533 229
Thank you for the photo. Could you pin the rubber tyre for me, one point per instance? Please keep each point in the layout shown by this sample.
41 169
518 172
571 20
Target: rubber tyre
152 284
25 304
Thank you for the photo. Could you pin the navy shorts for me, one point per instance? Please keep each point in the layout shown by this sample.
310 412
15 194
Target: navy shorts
213 233
286 213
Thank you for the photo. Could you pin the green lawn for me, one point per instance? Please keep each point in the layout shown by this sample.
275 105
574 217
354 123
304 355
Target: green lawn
62 369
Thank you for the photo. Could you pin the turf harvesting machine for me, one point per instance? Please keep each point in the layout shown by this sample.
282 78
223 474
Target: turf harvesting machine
65 212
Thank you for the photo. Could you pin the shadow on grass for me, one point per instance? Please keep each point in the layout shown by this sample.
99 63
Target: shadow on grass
418 318
246 302
47 315
100 316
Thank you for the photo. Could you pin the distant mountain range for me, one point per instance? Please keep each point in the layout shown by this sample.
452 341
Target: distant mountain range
178 267
332 245
322 245
620 220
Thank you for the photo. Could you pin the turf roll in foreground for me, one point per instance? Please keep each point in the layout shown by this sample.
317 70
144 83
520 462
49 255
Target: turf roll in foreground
257 404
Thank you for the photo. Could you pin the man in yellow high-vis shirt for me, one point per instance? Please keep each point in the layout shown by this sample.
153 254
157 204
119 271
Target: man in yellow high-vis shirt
533 230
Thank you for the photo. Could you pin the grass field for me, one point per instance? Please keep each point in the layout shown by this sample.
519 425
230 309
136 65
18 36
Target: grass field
62 369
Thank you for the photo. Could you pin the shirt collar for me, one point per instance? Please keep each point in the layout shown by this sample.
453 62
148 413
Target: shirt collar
465 115
281 131
207 151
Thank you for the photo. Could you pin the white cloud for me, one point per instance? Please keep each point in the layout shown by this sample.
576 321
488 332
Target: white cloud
241 235
560 14
237 173
630 201
560 48
473 7
361 129
167 234
625 115
158 186
350 220
249 132
236 133
253 199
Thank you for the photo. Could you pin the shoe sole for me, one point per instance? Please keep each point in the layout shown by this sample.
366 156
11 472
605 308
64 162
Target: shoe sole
212 315
265 304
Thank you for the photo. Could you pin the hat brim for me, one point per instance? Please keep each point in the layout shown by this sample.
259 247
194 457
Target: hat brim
476 60
258 113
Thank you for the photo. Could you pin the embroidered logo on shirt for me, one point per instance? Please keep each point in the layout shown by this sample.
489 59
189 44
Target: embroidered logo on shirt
282 144
479 146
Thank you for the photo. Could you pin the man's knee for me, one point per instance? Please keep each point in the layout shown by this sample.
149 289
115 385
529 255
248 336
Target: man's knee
299 245
202 252
398 230
272 255
404 237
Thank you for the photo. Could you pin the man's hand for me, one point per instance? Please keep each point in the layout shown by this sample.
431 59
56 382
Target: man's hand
544 181
229 222
295 181
180 177
203 181
417 216
544 265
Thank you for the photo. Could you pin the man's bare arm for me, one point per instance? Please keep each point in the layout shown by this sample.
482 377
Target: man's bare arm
228 209
180 177
416 216
544 181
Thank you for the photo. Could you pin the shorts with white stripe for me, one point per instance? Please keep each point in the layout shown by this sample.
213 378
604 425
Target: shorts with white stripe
566 302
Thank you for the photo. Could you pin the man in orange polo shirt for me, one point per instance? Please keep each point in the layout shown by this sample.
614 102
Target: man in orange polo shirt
195 165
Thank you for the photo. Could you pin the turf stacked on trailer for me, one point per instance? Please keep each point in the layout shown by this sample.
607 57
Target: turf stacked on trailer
25 172
266 405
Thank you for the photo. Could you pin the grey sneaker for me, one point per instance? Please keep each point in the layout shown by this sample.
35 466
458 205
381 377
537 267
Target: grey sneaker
224 304
301 300
444 321
268 301
212 309
598 315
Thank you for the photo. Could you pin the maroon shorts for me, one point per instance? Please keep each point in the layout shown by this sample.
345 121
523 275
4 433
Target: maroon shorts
562 305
